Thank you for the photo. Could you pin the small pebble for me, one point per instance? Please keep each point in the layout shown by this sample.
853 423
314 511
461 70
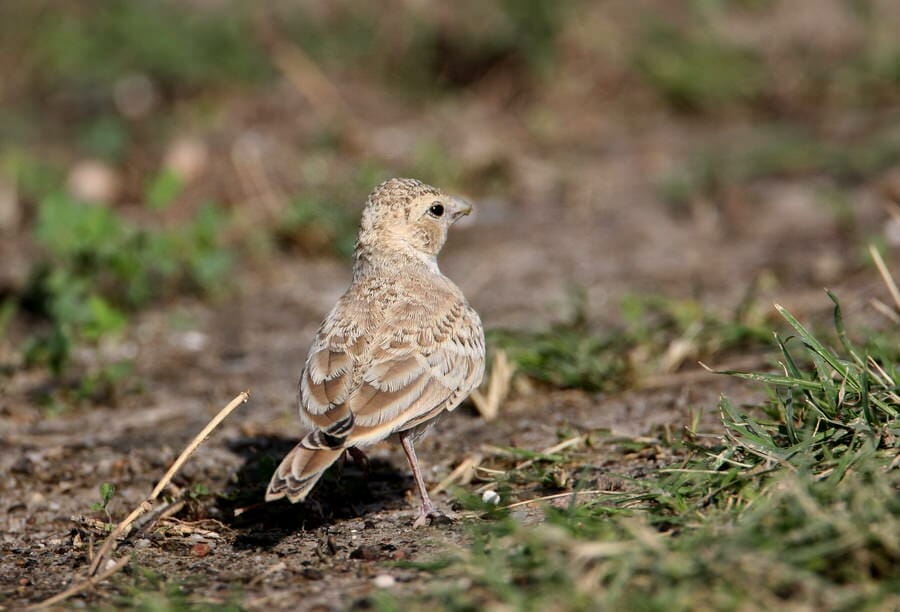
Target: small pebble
384 581
366 553
491 497
200 549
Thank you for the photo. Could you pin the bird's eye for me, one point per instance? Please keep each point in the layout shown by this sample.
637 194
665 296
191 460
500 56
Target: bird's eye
436 209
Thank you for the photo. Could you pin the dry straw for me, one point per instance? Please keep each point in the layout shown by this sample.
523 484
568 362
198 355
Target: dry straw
123 528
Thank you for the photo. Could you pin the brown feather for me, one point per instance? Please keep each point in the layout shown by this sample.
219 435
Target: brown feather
400 347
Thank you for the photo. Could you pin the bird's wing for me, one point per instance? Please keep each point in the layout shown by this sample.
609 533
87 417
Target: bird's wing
421 358
429 360
333 368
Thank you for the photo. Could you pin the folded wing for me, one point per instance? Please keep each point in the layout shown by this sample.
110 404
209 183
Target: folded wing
361 385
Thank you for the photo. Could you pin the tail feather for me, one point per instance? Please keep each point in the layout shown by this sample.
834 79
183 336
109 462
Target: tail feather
299 472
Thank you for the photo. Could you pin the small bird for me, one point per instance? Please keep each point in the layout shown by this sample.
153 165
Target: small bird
400 347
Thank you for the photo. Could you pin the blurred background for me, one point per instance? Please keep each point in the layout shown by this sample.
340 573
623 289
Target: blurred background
214 155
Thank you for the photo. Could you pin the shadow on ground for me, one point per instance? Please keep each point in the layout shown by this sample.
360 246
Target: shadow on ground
346 491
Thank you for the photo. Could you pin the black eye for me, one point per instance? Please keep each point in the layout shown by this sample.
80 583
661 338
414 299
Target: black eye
436 209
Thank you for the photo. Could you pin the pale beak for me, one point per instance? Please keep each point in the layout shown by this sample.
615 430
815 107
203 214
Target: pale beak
461 207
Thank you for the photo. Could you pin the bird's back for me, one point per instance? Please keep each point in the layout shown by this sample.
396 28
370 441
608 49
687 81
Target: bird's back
395 351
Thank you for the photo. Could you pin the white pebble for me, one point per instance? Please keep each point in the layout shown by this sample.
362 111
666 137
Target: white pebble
384 581
491 497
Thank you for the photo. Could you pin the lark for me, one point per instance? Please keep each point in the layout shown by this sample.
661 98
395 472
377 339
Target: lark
401 347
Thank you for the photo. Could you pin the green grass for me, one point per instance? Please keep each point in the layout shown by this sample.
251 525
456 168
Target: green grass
780 153
658 332
98 268
694 70
796 506
175 45
148 591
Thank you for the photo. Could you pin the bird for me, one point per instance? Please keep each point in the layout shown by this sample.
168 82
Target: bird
401 346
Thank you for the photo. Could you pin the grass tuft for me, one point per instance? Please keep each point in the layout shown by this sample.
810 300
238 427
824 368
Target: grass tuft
796 505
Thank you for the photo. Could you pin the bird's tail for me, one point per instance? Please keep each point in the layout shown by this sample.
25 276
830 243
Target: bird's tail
300 470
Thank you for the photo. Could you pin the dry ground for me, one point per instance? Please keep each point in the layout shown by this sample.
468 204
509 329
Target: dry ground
514 262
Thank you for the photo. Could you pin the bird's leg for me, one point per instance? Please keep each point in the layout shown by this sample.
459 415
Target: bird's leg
359 458
428 511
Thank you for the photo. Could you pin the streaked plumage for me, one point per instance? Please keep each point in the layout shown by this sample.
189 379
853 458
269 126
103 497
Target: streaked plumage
400 347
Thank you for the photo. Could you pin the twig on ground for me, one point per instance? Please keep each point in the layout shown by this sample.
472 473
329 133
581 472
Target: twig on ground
160 513
145 506
693 376
178 528
550 450
574 441
461 474
82 586
558 495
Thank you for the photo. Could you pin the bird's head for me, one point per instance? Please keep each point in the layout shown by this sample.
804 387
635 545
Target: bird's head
406 215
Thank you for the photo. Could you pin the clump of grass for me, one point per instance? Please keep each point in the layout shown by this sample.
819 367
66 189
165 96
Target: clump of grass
795 506
782 153
696 71
178 46
149 591
98 268
659 333
567 356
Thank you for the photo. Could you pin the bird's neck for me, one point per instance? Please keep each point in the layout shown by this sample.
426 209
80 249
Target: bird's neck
370 259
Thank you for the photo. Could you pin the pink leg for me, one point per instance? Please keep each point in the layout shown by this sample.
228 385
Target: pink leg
428 510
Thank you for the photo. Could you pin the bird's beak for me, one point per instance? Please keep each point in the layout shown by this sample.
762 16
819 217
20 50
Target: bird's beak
463 207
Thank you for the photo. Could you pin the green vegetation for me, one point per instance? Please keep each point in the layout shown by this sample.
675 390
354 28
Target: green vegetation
697 71
781 153
150 591
98 267
178 47
658 333
795 506
107 491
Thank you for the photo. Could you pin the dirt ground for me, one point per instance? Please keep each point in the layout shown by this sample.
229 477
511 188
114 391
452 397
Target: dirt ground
582 210
515 262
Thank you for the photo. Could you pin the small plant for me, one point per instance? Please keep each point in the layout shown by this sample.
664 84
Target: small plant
107 491
199 490
99 268
659 332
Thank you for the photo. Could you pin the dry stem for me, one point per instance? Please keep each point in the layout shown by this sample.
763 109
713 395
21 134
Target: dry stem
145 506
886 275
82 586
